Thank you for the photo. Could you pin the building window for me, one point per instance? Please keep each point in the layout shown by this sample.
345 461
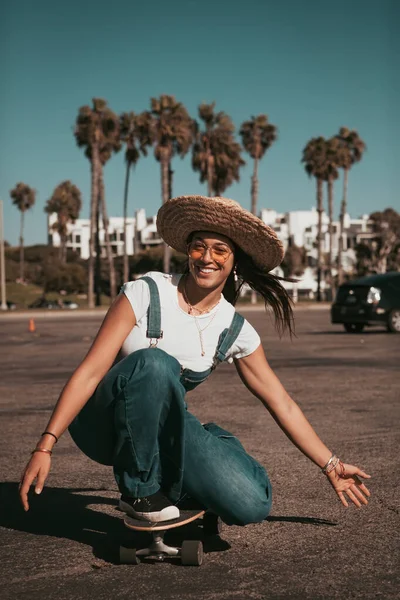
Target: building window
121 236
113 237
77 238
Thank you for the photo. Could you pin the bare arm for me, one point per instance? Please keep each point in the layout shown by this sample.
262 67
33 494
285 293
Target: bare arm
117 324
259 378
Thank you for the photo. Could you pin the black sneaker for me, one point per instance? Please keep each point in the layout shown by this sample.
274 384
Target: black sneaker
152 508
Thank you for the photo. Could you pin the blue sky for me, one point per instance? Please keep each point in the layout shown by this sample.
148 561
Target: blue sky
310 65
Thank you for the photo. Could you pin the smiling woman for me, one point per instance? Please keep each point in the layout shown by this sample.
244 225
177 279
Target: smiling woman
170 332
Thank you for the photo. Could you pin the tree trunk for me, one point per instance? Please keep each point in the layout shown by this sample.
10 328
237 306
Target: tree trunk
210 175
170 181
62 230
94 198
97 262
320 210
254 188
254 198
113 283
330 214
21 249
126 260
63 248
165 166
343 210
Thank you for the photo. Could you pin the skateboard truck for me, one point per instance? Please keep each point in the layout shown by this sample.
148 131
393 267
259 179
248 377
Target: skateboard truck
191 552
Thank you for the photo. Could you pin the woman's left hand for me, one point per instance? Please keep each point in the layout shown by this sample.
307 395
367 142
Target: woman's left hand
345 480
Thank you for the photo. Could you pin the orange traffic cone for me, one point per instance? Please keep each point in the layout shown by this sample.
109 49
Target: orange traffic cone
32 326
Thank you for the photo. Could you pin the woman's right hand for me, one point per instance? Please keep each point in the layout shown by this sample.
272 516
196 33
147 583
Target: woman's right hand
37 468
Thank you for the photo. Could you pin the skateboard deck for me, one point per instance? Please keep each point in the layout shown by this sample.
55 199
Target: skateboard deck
186 516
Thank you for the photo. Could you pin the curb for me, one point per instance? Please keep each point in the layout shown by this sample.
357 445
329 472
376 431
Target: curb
43 314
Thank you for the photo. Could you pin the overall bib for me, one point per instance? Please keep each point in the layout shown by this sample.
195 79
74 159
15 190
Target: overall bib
137 421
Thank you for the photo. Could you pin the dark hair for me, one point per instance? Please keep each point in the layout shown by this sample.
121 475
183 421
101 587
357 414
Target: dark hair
264 283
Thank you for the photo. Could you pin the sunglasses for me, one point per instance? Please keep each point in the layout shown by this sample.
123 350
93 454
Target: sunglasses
219 253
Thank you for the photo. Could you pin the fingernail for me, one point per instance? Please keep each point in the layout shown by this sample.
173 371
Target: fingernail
38 490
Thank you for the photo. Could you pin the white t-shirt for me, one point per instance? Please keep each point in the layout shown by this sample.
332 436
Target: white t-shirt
181 337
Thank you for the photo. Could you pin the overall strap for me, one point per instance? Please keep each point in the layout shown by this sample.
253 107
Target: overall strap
154 331
228 338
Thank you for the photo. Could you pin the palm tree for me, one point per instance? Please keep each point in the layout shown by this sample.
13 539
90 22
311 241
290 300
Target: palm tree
24 198
227 165
96 130
172 132
216 154
66 202
203 158
257 136
351 150
331 173
135 131
314 163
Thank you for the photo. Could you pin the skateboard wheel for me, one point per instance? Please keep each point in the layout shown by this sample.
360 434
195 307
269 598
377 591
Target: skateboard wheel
192 553
127 556
212 524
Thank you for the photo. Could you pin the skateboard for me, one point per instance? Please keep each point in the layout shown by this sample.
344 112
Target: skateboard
191 552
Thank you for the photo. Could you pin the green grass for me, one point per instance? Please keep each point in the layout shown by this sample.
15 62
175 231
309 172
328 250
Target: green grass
23 295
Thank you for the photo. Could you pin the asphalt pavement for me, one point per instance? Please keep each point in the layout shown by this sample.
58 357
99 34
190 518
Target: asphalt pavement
66 546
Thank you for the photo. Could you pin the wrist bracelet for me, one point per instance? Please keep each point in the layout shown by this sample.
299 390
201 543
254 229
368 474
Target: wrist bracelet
49 433
332 466
42 450
326 468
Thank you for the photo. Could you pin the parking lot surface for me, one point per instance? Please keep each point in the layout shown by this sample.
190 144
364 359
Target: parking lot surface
310 547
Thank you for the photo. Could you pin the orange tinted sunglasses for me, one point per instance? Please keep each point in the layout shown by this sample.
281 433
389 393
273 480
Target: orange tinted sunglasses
218 253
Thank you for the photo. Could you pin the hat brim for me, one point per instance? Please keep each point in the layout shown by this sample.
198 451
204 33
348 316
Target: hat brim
179 217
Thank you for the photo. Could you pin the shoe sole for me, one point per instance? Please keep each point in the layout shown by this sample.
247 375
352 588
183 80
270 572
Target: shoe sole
166 514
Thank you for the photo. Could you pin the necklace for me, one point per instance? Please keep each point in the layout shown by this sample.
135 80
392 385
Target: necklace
192 308
190 311
201 329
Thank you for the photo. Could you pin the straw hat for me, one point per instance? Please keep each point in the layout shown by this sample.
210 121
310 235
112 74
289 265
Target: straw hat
179 217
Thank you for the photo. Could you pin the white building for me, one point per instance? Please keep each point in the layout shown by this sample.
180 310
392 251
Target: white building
141 234
300 228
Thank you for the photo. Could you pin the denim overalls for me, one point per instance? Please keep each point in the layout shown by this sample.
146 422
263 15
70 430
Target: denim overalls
137 421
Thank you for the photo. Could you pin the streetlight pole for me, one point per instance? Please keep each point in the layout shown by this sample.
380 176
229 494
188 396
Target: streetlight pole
2 262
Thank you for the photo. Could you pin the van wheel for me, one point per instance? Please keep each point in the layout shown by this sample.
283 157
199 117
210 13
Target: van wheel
353 327
393 323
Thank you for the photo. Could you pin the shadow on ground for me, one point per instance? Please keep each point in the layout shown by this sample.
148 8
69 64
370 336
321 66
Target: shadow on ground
67 513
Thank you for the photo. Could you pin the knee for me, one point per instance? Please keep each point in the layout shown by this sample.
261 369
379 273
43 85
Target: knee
157 363
253 505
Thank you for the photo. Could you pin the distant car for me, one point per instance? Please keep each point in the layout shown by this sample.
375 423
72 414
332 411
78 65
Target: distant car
43 303
70 304
368 301
11 305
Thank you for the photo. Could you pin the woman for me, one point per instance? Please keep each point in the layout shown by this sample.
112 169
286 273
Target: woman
172 331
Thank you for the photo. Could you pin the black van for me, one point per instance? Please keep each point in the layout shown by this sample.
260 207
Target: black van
368 301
